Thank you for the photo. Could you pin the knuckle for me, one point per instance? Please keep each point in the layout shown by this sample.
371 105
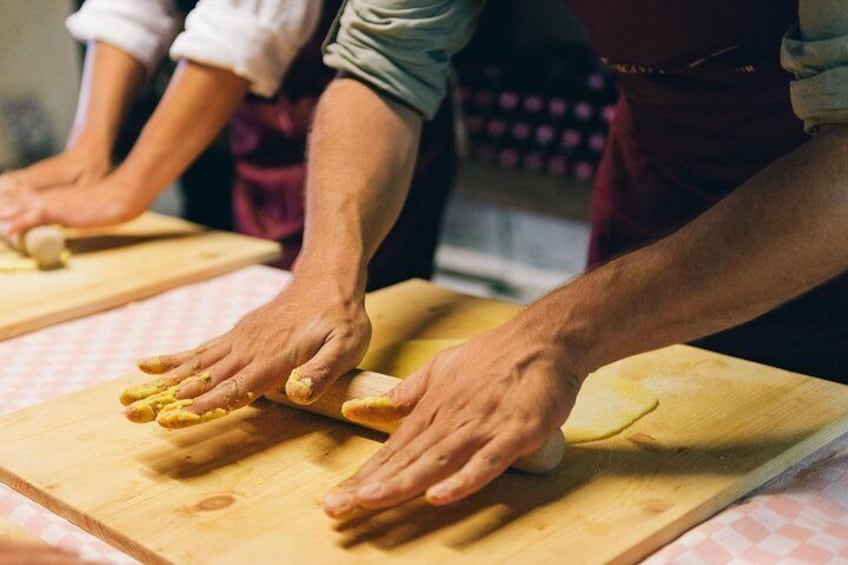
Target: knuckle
492 460
384 454
230 391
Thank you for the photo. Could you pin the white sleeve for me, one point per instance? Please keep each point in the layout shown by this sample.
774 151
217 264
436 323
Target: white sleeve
142 28
255 39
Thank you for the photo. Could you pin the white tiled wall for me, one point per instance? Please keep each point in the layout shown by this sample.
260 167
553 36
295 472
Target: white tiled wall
490 249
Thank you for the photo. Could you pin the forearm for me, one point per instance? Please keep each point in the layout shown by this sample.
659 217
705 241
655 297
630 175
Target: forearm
198 102
777 236
361 156
109 82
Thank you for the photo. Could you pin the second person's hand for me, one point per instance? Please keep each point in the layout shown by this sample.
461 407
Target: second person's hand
104 202
76 166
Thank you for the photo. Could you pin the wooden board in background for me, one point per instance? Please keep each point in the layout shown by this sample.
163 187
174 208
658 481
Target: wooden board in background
113 266
245 489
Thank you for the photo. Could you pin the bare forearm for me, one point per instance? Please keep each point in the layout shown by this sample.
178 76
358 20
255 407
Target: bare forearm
361 156
777 236
110 80
199 101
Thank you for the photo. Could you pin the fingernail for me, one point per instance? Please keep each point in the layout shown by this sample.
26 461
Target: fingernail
370 491
299 388
338 502
442 490
153 364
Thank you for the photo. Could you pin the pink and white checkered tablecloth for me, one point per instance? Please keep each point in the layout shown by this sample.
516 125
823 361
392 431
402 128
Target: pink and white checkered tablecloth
801 517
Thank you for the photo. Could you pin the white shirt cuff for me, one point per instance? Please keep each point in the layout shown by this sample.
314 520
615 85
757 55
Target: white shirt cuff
142 28
257 41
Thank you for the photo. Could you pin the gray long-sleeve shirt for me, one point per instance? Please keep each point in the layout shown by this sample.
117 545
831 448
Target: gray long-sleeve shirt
404 47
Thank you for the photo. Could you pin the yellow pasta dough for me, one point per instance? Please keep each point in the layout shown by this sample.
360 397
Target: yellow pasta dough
13 262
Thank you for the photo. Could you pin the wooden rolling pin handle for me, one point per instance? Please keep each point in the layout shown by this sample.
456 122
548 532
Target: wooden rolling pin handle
362 384
45 244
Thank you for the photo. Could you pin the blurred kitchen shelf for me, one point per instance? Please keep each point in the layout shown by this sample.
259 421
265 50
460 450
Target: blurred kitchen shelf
521 190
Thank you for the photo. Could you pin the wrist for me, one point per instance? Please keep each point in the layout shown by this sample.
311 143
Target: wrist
568 339
131 194
340 276
92 142
95 152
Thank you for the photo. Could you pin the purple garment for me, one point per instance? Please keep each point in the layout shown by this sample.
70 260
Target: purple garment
268 141
704 105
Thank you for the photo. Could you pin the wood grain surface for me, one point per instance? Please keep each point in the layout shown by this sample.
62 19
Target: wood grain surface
245 488
113 266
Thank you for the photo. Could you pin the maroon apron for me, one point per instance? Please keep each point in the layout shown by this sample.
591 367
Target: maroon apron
704 105
268 141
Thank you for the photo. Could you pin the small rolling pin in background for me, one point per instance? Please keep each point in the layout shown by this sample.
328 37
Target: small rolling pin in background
45 244
358 384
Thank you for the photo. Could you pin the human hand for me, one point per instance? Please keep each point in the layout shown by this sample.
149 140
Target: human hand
104 202
305 339
30 553
79 165
469 414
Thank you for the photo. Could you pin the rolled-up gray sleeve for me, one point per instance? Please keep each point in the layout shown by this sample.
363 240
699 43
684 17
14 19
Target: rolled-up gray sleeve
402 47
816 51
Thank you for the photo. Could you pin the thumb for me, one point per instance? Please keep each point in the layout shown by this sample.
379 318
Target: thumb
312 379
383 411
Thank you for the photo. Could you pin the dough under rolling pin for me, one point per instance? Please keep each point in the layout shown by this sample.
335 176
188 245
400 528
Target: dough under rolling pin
45 244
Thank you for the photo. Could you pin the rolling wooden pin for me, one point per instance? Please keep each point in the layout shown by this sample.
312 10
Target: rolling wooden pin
358 384
45 244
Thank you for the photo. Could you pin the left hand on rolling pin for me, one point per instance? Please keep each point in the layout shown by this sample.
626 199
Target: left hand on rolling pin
310 327
469 414
104 202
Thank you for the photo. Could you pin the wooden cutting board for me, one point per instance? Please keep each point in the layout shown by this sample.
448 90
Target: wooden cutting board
113 266
245 489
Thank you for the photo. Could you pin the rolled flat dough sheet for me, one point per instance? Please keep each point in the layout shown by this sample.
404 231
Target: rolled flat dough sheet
606 405
13 262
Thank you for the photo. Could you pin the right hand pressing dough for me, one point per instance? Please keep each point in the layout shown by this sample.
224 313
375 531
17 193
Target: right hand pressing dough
606 405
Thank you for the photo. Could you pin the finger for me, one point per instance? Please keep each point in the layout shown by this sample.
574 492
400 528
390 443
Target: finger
24 212
218 372
230 394
402 447
309 381
163 363
483 467
148 408
395 405
435 464
166 381
50 172
25 219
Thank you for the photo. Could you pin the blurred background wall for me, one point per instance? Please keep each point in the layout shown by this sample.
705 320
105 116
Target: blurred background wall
535 109
39 79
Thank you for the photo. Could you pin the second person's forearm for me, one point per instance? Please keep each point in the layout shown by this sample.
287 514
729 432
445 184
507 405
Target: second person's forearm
110 80
199 101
